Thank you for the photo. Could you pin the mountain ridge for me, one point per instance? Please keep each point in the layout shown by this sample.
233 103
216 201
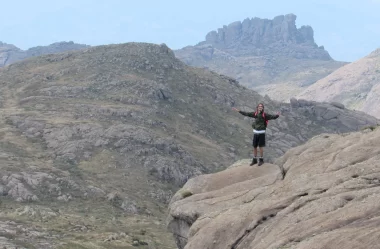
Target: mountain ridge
356 85
94 143
10 53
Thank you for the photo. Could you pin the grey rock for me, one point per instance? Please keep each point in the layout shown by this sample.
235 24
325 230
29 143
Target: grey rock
43 213
163 196
294 103
64 198
330 114
3 190
96 192
70 143
19 185
337 104
35 186
303 103
167 170
319 110
124 203
114 197
263 36
129 206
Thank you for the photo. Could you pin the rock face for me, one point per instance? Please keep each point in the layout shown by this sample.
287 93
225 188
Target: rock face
356 85
10 54
260 37
104 137
273 57
323 194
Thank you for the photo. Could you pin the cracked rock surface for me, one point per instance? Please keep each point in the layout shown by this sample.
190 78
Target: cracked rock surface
324 194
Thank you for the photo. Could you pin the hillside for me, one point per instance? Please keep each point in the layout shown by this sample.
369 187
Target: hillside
356 85
273 57
10 54
94 143
324 194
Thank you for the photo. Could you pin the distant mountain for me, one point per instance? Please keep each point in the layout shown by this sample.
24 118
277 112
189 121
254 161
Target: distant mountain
10 54
261 37
273 57
356 85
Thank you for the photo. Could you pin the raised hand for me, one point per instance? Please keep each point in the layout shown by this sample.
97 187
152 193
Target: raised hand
234 109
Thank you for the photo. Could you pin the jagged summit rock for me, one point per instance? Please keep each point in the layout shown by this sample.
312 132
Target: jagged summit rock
261 37
273 57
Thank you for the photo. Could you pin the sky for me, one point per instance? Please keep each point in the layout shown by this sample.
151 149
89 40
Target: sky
348 29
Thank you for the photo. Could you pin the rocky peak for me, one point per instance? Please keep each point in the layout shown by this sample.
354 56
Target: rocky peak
263 36
10 53
6 46
56 47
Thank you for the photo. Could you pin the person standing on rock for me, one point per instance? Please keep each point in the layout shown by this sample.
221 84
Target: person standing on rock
259 128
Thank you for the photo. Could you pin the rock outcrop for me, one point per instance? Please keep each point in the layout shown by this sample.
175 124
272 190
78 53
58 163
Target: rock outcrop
356 85
259 37
323 194
10 54
272 57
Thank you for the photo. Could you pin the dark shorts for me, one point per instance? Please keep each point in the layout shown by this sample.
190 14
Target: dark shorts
258 140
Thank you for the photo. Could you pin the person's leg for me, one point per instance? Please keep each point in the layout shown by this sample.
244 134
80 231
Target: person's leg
254 159
261 152
255 143
261 145
255 152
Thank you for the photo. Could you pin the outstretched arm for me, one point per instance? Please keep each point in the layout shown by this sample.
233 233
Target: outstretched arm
249 114
271 116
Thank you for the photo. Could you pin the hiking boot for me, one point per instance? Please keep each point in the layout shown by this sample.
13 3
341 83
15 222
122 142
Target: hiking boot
254 161
261 161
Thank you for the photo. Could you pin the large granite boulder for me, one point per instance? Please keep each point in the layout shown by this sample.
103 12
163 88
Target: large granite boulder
324 194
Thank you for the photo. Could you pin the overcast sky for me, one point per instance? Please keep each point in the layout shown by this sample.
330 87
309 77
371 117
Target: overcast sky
349 29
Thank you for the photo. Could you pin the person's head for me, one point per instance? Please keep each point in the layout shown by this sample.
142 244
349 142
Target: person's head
260 107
